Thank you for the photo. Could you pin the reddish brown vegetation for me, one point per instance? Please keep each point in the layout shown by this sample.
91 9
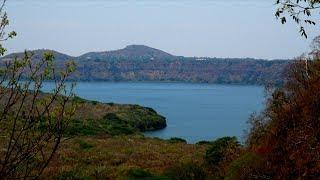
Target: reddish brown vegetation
287 135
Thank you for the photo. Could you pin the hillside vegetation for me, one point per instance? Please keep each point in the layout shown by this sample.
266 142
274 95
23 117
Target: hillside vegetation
142 63
122 157
94 118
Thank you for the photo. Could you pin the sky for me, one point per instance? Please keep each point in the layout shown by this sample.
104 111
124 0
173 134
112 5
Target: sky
202 28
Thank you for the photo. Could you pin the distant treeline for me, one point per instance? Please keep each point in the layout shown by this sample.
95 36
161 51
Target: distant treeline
141 63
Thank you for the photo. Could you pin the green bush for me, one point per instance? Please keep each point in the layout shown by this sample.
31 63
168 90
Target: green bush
204 143
84 145
188 171
240 168
94 102
111 124
118 129
78 99
216 151
138 173
177 140
71 175
88 128
117 126
111 104
134 174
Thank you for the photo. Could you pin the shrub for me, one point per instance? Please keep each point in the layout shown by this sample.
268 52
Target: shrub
117 126
287 133
143 174
216 152
241 168
94 102
84 145
69 175
177 140
111 124
78 99
188 171
79 127
138 173
118 129
204 143
111 104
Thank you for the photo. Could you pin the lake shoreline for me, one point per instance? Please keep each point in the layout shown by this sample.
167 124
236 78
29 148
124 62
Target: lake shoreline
193 112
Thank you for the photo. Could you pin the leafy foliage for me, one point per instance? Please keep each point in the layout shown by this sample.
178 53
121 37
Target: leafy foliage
4 22
177 140
32 123
300 11
287 134
71 175
204 143
93 118
217 149
137 173
190 171
83 145
239 168
121 157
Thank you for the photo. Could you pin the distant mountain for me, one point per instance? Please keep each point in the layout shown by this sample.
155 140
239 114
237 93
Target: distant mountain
129 52
38 54
142 63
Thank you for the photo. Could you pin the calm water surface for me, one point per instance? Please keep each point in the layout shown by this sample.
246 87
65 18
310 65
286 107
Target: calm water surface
194 111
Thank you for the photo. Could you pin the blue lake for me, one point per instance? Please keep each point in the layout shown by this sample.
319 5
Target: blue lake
194 111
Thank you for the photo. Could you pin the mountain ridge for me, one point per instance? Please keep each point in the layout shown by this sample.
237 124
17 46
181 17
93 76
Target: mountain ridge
38 53
132 47
130 51
142 63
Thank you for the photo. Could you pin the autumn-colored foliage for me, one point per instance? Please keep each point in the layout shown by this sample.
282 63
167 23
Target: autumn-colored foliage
287 134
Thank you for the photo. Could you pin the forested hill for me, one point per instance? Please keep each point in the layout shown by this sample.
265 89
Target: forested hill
134 52
142 63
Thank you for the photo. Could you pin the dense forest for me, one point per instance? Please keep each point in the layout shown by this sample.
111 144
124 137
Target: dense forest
142 63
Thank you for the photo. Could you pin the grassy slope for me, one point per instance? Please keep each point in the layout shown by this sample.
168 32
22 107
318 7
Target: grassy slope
113 157
106 142
94 151
95 118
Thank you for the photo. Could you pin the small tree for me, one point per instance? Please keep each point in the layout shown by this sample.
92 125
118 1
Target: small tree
31 122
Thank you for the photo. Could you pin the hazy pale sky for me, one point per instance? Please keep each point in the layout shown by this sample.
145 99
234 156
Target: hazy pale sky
214 28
